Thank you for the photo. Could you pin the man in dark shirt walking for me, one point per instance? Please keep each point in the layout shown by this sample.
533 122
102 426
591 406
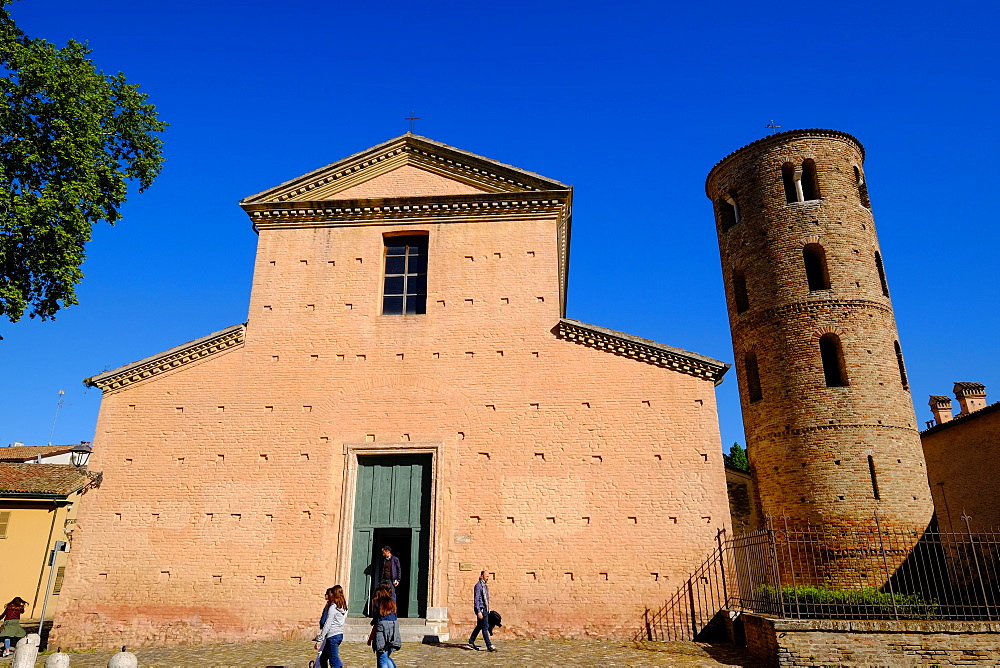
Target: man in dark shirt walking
389 569
481 606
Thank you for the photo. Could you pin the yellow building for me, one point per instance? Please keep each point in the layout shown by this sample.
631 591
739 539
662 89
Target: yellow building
38 506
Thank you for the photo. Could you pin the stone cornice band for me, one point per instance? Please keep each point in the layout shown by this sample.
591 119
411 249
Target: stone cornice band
826 427
642 350
779 312
338 212
169 360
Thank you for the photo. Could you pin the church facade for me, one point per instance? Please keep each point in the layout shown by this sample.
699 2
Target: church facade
407 376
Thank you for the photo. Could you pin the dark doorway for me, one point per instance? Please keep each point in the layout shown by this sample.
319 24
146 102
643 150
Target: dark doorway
392 507
399 541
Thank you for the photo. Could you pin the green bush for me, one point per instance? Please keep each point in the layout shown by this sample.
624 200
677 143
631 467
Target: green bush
864 603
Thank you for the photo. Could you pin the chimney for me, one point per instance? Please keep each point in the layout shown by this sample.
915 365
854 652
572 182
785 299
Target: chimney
971 397
940 407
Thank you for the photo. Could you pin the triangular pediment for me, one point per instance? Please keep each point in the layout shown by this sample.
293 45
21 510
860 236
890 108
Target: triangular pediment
407 166
407 180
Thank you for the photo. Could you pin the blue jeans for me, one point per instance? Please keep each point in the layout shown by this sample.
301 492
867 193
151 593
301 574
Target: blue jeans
482 625
384 660
330 658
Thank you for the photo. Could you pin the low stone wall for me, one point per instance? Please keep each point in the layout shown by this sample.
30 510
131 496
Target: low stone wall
823 642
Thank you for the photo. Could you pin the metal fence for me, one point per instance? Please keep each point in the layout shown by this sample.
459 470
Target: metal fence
865 572
690 611
819 572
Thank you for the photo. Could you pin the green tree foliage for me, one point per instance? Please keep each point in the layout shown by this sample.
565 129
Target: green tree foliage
737 458
71 140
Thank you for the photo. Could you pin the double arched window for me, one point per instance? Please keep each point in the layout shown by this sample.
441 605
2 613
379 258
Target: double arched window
800 181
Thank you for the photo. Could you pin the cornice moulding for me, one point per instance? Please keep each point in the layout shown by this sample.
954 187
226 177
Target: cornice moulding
799 431
425 153
642 350
794 308
331 213
169 360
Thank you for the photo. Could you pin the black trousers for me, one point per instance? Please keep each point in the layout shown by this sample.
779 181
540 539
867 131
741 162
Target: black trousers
482 626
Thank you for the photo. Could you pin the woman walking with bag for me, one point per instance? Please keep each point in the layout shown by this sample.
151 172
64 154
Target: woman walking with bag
384 637
12 629
331 629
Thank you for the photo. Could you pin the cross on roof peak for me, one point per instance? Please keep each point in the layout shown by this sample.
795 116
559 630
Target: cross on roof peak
412 117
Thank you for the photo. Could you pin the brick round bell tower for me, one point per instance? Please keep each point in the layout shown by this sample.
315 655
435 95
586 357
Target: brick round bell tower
830 426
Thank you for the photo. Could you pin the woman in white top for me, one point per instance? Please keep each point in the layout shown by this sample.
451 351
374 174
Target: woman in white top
331 629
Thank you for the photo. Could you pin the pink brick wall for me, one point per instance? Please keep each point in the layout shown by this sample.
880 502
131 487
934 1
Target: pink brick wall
589 483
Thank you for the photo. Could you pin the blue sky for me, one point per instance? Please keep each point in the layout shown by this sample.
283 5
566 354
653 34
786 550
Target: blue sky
631 102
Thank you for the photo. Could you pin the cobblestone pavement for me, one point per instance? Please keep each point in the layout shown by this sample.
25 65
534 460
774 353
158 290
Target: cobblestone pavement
297 654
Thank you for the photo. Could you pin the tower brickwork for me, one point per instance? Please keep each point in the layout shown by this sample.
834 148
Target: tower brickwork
830 426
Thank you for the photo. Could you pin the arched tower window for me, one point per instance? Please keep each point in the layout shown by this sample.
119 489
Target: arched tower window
902 368
859 178
788 179
752 372
729 212
740 291
832 354
881 273
814 259
810 187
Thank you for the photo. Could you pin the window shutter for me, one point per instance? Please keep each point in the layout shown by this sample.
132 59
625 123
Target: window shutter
4 521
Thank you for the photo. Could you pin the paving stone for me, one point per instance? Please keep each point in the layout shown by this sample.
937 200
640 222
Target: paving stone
537 653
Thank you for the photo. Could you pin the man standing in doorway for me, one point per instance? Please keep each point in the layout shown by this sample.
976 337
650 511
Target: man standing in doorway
389 569
481 606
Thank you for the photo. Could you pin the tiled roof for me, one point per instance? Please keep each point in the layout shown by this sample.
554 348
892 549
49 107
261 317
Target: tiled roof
27 453
43 479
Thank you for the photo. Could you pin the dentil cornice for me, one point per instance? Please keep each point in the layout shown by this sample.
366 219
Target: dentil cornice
169 360
642 350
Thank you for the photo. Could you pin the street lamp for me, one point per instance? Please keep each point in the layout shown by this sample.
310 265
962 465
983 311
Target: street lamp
80 455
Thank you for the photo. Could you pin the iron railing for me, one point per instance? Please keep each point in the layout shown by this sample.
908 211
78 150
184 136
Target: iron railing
688 613
865 572
821 572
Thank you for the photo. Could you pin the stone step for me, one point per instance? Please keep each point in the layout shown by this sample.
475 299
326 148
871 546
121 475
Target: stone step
412 629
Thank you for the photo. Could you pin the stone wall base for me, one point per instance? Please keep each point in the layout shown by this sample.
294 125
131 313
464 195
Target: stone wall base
823 642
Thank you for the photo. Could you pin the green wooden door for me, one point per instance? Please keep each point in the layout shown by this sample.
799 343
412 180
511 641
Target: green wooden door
392 506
